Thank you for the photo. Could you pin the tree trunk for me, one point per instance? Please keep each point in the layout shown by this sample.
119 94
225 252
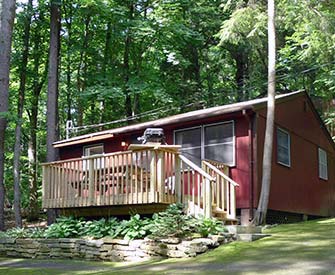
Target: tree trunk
260 216
241 73
52 101
105 112
18 128
126 66
7 14
68 21
38 83
81 80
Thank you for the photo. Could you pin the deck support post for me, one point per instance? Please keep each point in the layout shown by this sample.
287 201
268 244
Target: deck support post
178 179
91 181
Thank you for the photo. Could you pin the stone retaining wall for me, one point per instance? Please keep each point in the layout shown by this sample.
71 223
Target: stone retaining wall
110 249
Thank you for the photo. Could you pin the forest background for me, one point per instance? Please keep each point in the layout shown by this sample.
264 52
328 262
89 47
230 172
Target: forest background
122 62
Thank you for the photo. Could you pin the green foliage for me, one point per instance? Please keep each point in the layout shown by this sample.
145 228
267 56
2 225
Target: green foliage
134 228
65 227
180 52
101 228
205 227
23 233
172 222
18 233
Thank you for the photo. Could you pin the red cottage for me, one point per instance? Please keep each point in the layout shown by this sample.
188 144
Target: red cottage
212 163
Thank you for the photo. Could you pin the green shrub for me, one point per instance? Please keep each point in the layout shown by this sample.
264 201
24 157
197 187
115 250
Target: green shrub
206 226
134 228
18 233
37 232
172 222
65 227
101 228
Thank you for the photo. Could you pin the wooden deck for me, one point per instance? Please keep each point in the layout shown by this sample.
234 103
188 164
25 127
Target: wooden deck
142 176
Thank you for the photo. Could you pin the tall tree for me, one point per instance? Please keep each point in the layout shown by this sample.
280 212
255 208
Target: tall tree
52 101
7 14
260 216
18 129
39 72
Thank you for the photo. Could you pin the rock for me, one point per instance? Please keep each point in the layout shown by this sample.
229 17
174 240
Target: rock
94 243
67 240
106 247
136 243
67 245
202 242
24 241
171 246
141 253
124 247
217 238
108 240
170 240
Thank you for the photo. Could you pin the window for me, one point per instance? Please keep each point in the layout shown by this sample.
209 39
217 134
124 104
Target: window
91 151
190 141
283 148
323 167
219 143
213 141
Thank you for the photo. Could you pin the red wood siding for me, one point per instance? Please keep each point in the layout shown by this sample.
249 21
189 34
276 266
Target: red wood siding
239 173
298 188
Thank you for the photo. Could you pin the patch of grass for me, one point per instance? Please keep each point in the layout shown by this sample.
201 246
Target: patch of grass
301 248
27 271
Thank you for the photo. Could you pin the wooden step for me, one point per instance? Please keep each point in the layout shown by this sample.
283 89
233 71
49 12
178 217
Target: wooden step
230 221
219 214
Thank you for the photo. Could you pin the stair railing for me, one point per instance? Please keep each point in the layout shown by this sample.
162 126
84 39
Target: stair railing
195 187
223 191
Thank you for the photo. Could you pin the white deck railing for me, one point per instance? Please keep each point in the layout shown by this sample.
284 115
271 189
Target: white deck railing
145 176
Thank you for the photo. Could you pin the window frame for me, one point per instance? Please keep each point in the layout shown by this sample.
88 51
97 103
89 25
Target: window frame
93 146
202 139
98 165
320 150
279 129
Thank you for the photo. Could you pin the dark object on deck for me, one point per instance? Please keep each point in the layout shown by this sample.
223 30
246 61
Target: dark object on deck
153 135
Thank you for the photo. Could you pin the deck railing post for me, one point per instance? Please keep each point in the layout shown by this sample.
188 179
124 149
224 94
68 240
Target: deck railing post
160 175
44 205
91 181
232 202
153 176
208 198
178 179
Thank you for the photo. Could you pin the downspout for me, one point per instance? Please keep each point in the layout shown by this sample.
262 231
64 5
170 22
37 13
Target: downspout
250 116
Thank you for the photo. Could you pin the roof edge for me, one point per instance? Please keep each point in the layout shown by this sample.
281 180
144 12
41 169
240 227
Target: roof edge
254 104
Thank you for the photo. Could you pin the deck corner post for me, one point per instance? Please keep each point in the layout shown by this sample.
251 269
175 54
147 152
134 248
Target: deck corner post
91 181
44 186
